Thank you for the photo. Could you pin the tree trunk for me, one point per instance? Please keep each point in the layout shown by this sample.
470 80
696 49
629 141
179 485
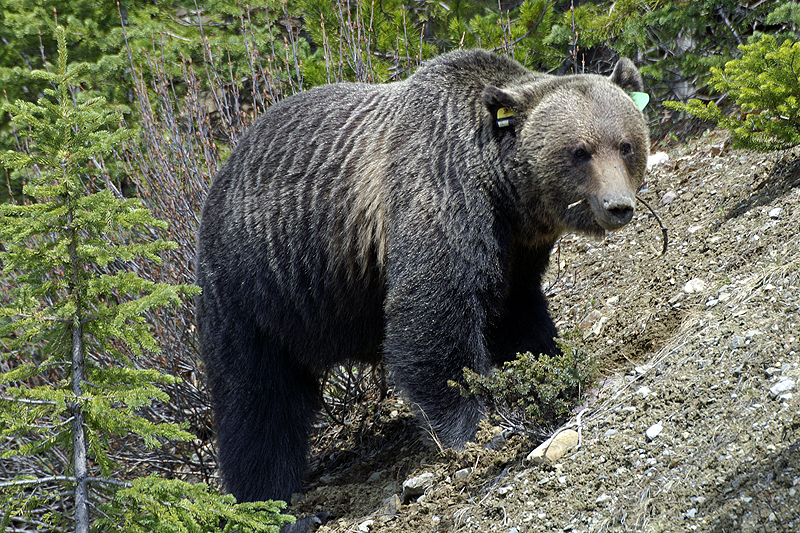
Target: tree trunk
79 461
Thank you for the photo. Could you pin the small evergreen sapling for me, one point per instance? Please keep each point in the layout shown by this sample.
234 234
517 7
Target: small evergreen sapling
75 304
535 391
765 84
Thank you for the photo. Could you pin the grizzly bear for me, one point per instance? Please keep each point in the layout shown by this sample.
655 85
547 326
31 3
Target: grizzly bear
410 222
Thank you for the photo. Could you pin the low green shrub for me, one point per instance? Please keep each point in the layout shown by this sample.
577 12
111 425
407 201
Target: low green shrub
535 390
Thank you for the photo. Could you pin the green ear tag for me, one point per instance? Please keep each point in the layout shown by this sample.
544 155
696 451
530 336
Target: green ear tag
640 99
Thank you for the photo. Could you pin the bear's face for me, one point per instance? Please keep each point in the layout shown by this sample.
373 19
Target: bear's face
581 150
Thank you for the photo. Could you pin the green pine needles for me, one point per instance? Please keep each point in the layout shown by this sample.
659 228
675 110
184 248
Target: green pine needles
765 84
72 318
535 391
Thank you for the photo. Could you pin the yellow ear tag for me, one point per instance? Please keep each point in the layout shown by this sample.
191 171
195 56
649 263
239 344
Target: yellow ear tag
505 117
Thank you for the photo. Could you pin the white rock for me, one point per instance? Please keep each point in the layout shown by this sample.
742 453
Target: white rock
654 431
504 491
694 286
416 486
603 498
463 473
691 513
597 329
657 159
644 392
555 447
668 198
365 526
783 386
775 212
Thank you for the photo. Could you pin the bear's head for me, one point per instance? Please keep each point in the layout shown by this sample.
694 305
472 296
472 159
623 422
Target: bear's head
580 147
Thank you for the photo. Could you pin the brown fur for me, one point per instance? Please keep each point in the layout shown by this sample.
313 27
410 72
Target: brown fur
400 222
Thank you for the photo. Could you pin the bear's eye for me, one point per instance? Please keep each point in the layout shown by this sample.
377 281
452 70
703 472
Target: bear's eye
626 149
581 155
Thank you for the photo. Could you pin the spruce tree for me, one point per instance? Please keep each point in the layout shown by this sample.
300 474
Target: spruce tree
764 84
72 333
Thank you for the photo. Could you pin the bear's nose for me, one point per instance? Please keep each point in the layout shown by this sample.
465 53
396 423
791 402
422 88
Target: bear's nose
619 209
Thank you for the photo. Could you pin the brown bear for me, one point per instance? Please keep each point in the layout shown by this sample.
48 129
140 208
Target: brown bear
411 221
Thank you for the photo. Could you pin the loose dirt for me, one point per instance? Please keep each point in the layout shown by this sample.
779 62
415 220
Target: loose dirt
692 341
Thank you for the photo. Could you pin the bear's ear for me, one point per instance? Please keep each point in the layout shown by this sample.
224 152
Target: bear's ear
627 76
501 105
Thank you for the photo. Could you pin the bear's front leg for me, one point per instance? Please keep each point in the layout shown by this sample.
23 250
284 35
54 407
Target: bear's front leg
523 323
435 327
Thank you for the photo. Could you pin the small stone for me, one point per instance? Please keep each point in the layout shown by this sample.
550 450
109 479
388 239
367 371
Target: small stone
657 159
737 341
654 431
691 513
365 526
463 473
694 286
602 499
668 198
555 447
610 433
589 320
416 486
644 392
775 212
784 385
505 491
391 506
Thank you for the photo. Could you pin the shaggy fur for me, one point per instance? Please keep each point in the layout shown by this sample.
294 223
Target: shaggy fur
400 222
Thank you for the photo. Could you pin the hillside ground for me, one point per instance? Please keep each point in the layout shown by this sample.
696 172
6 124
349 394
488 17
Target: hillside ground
702 341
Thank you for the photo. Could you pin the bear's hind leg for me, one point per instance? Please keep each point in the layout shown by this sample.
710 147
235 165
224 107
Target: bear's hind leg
264 410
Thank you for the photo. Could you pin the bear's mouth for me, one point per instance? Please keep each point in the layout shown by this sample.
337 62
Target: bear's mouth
595 217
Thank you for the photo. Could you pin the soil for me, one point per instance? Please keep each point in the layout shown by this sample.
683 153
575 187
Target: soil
692 341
